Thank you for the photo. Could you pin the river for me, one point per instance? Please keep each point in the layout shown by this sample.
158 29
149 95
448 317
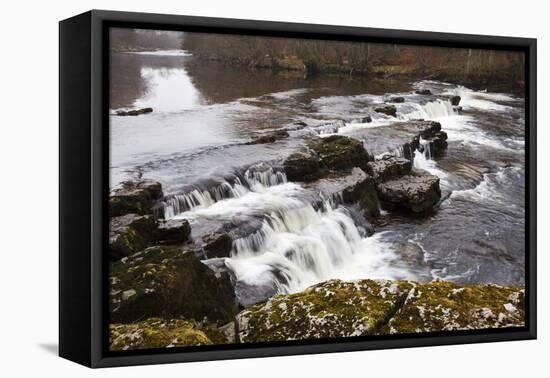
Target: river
194 144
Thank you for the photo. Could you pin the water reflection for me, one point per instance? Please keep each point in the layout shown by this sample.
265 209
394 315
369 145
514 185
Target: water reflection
168 90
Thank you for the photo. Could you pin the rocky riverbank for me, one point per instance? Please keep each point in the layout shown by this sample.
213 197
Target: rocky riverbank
341 309
171 285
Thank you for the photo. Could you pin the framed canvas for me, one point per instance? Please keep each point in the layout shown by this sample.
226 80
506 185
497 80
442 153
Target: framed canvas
233 188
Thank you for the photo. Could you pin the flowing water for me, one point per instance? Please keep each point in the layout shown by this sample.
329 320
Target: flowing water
285 234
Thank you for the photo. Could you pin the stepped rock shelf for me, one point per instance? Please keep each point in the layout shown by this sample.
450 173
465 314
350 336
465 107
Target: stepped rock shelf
341 309
162 295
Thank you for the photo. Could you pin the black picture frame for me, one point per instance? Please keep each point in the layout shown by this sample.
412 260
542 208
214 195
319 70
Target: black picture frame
83 180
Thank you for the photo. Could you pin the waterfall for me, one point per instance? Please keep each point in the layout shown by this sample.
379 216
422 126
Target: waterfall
426 148
254 178
431 111
423 160
298 247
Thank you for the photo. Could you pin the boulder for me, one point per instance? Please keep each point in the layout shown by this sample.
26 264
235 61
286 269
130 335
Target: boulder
169 282
217 244
355 187
248 295
134 197
455 100
172 231
367 119
424 92
437 144
134 112
445 306
302 167
270 138
386 109
338 152
389 168
331 309
378 307
129 234
156 333
418 192
397 99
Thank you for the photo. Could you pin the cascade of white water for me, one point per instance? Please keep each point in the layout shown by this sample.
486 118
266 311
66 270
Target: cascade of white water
430 111
203 198
305 246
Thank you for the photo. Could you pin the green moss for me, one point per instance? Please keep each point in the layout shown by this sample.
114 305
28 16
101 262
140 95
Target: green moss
338 152
156 333
372 307
331 309
169 282
446 306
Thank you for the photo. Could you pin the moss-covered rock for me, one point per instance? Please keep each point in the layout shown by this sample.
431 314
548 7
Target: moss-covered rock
338 152
444 306
129 234
374 307
331 309
172 231
156 333
168 281
325 155
302 167
134 197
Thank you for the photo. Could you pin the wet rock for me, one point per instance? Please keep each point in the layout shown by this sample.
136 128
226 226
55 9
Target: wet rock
172 231
386 109
134 112
350 188
376 307
300 124
455 100
156 333
436 145
418 192
135 197
338 152
270 138
302 167
424 92
367 119
397 99
248 295
129 234
217 244
168 282
426 129
389 169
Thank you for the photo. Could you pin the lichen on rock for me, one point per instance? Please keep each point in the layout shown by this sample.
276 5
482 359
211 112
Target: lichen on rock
375 307
156 333
168 281
444 306
331 309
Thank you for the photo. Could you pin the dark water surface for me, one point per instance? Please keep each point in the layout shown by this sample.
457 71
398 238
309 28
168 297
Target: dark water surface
194 144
